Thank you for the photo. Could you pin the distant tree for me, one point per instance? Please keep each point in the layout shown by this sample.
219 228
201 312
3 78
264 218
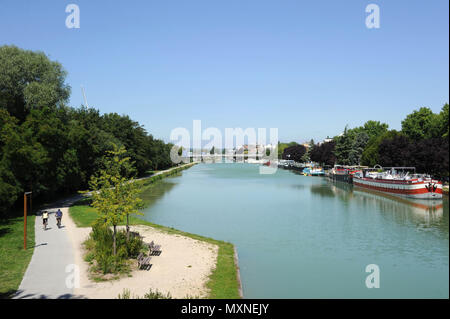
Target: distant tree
431 156
307 156
282 146
443 121
370 155
375 128
421 124
343 147
396 151
358 146
295 153
29 80
212 150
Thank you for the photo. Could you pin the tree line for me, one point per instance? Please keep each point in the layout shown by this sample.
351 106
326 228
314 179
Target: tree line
422 142
51 148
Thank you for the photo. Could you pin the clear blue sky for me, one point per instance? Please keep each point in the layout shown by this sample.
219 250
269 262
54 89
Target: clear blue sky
305 67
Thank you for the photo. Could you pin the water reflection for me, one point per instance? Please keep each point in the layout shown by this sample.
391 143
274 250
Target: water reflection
422 213
154 192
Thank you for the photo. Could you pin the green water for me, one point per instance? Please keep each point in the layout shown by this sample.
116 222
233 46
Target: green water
305 237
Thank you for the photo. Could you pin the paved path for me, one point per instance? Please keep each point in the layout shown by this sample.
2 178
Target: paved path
46 274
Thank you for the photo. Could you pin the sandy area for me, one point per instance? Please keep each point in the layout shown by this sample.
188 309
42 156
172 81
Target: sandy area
182 269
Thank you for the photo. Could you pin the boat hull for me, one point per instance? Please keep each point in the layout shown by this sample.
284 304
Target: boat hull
429 189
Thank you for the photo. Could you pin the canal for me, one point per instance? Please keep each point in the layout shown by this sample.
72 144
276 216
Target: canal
305 237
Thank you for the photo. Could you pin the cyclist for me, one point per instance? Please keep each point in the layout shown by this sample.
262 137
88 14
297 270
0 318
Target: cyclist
58 217
45 219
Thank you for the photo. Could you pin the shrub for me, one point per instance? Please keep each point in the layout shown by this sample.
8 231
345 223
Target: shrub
100 248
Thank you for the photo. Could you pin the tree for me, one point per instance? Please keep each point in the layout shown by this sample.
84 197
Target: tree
307 156
324 153
431 156
370 155
443 121
358 146
421 124
395 151
343 147
30 80
375 128
282 146
114 195
294 153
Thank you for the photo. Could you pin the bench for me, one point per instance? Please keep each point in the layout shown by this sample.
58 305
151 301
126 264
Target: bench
143 262
154 249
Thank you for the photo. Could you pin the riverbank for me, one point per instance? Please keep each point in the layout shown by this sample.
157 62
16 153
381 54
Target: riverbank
190 265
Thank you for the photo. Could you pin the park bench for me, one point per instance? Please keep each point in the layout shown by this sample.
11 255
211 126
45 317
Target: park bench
143 261
154 250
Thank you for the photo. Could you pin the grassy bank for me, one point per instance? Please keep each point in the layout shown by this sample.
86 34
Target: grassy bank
222 283
14 259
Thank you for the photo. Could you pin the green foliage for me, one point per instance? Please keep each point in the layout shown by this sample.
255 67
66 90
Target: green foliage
443 121
114 194
343 147
29 80
421 124
100 249
370 155
282 146
358 145
54 149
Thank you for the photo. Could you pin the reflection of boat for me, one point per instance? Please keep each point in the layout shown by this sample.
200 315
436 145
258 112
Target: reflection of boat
395 181
397 204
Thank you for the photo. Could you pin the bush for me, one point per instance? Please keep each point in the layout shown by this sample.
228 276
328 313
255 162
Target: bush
100 248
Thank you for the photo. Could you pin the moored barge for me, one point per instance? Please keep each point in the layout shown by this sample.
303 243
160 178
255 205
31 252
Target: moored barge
394 180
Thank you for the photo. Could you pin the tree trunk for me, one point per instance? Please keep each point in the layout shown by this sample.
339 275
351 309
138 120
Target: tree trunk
114 240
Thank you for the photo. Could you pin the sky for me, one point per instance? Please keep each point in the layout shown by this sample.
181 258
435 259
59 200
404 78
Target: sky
308 68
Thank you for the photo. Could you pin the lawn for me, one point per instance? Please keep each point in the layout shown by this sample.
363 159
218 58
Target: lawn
14 259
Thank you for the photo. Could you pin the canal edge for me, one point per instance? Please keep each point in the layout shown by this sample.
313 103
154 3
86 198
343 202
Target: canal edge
238 273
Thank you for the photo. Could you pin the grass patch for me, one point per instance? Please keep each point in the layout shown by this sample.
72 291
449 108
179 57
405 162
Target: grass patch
14 259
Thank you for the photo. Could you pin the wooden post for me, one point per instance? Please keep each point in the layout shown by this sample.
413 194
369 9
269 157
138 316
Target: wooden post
24 221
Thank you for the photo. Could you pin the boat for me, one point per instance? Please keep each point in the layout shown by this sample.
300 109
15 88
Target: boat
311 171
399 181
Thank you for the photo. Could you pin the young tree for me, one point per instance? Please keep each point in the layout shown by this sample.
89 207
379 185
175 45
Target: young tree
113 194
